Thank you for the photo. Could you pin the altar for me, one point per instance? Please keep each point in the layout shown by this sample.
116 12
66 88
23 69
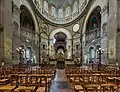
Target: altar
60 58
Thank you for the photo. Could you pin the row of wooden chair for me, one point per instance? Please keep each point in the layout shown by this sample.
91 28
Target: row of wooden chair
26 79
84 80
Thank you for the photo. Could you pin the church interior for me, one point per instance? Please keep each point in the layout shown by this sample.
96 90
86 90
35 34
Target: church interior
59 46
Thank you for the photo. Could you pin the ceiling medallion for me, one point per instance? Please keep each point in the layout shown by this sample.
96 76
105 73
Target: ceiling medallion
76 27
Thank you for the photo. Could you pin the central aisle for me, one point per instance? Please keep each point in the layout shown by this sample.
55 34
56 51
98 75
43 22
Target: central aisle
60 83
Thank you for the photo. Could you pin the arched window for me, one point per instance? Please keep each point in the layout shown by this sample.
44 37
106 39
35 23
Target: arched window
46 6
68 11
77 47
97 51
75 6
93 23
60 13
91 53
28 53
53 11
44 47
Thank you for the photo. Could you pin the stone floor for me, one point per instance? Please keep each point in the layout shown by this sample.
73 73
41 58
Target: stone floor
60 83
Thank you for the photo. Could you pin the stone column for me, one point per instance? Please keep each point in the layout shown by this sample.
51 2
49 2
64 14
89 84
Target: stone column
112 28
118 33
104 26
16 37
1 29
7 18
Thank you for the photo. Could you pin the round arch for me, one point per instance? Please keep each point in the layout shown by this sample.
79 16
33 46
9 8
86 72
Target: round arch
91 46
97 46
26 18
91 10
63 30
68 38
88 16
27 5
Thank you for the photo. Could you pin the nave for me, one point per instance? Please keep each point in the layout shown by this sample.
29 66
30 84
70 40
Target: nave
61 83
50 79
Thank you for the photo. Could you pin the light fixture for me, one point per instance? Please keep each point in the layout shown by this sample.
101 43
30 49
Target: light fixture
99 48
76 27
20 48
27 40
17 49
93 40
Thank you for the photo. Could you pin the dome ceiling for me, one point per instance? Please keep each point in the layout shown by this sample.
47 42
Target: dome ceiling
60 3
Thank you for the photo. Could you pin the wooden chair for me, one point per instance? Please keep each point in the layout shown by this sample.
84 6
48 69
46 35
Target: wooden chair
91 88
25 89
7 88
78 82
107 87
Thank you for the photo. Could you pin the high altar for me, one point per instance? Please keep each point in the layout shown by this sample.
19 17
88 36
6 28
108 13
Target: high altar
60 58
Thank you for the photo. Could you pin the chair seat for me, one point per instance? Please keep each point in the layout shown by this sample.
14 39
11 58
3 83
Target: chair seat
91 87
7 87
76 81
78 87
3 80
41 89
30 88
72 78
48 79
119 86
43 82
108 85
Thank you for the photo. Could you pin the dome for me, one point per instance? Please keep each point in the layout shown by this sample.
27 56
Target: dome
61 11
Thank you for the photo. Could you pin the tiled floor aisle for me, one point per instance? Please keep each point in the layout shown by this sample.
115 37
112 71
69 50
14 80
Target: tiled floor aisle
60 83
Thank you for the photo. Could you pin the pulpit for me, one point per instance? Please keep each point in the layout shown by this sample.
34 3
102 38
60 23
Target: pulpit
60 58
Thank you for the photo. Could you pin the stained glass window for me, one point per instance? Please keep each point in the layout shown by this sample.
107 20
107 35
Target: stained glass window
46 6
28 53
53 11
75 7
67 11
60 13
